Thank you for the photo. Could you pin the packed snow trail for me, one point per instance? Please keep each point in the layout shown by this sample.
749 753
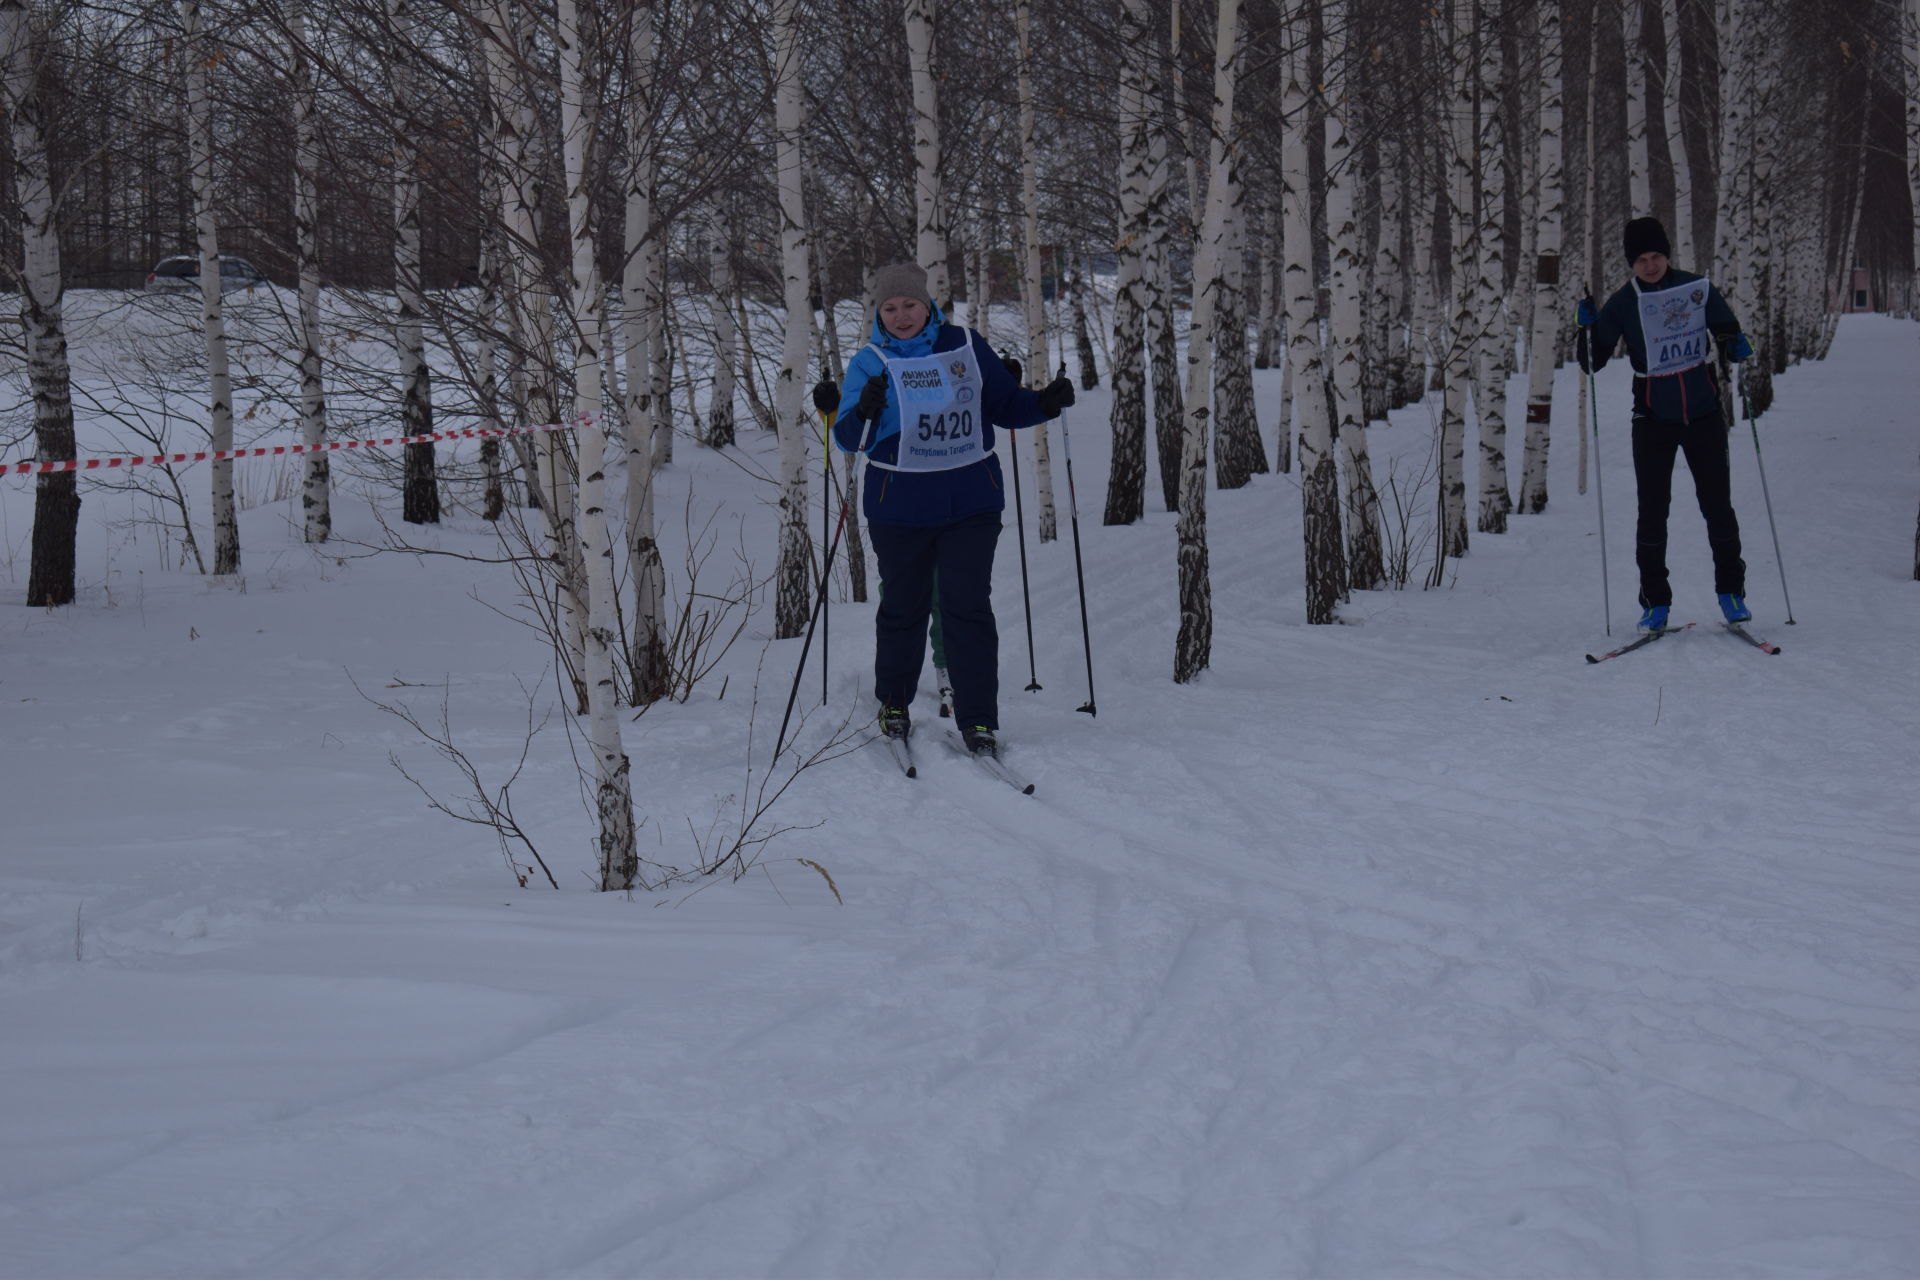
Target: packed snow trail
1410 947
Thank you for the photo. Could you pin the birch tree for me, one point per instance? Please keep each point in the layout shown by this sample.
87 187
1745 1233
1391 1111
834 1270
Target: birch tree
1126 479
1366 564
198 51
726 339
579 118
1193 647
1326 570
1464 331
316 500
641 315
1169 414
1681 230
56 495
1634 53
1909 19
1542 348
1037 371
420 494
793 579
1486 267
930 244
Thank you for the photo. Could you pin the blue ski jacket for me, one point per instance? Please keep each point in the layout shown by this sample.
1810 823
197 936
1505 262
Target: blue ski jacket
930 497
1674 397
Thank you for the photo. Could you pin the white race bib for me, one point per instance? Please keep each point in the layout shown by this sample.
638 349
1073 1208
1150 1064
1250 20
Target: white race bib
1674 324
939 401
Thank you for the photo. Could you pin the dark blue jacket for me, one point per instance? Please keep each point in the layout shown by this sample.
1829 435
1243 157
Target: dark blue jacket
1674 397
930 497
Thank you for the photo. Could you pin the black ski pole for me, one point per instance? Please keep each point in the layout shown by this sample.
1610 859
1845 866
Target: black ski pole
820 393
1746 407
1599 486
1079 574
1020 527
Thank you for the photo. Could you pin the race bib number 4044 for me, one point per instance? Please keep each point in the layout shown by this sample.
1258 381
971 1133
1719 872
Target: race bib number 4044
1674 324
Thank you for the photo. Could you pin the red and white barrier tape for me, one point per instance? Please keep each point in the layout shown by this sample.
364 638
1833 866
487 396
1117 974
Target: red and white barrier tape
206 455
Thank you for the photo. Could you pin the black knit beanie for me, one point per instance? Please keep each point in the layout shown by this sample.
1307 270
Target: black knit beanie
1646 235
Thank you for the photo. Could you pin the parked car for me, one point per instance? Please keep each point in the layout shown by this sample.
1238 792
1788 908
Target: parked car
181 273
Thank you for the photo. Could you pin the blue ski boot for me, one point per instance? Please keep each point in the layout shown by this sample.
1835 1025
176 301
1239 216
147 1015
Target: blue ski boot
1734 608
1655 618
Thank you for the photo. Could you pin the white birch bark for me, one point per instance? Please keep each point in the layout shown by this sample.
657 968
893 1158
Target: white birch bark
1193 647
200 59
1681 231
1163 356
56 499
1634 50
660 345
1366 565
420 498
930 245
1386 286
1548 312
1465 329
1326 571
1493 352
640 315
793 578
1727 238
726 339
579 115
1127 475
530 322
1038 370
316 502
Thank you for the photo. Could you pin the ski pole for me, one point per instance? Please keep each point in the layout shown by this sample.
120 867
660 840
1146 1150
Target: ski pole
1746 407
819 602
1079 574
1599 485
1020 527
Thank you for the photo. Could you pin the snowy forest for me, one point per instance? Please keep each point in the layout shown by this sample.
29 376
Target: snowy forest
635 221
447 832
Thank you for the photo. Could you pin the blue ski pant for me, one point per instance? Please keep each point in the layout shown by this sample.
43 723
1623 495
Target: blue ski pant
961 554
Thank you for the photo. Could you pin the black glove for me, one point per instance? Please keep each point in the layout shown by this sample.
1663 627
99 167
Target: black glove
1013 366
1055 396
873 399
826 395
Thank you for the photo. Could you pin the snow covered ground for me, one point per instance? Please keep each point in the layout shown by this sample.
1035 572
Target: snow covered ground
1415 947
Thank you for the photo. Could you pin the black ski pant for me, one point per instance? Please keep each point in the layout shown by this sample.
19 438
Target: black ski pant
961 554
1704 441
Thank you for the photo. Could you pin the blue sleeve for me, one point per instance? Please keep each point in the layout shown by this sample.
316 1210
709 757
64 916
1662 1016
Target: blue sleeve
1619 312
849 432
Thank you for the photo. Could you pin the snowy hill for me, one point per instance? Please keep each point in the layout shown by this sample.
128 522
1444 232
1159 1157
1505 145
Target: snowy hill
1414 947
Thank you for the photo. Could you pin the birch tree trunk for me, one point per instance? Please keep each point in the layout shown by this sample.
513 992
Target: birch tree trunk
1639 162
793 577
1326 569
1366 564
660 343
726 339
201 59
1038 369
1727 239
1127 475
1494 345
316 502
1239 454
1681 230
930 247
1910 43
579 115
1542 348
420 496
1193 648
56 495
530 322
1163 352
640 310
1464 334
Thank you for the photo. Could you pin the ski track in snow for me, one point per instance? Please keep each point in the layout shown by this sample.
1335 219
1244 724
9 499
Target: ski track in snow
1411 947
